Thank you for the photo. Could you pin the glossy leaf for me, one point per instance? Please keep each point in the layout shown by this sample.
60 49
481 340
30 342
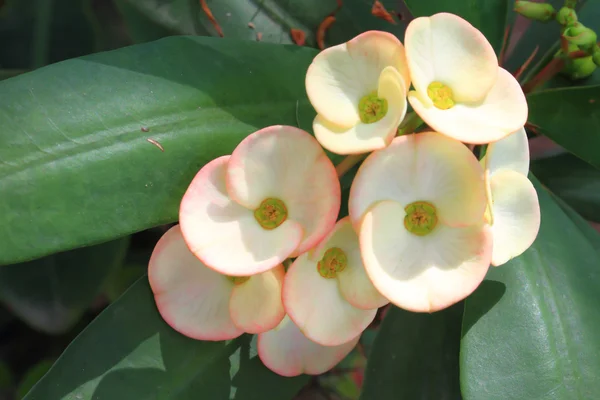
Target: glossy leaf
489 16
573 180
129 352
273 19
571 118
51 293
415 356
80 161
530 329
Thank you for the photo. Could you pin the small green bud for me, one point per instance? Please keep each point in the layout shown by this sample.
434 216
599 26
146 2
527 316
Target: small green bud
581 36
537 11
596 55
566 16
579 68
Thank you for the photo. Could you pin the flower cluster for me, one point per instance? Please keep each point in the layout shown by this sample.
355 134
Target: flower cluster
258 249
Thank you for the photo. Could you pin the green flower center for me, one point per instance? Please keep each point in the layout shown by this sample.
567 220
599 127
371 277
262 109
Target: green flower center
372 108
334 260
238 280
420 218
441 95
271 213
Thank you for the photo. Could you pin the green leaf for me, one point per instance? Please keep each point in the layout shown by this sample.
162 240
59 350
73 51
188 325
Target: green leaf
489 16
415 356
573 180
51 293
571 118
129 352
32 376
148 20
77 166
530 330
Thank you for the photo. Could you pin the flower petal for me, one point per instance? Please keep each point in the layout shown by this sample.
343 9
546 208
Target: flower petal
516 215
502 111
422 167
512 153
445 48
363 138
316 305
422 273
286 351
341 75
353 282
225 235
192 298
255 305
289 164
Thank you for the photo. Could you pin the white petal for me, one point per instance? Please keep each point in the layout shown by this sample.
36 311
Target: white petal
512 153
192 298
502 111
445 48
341 75
316 305
516 215
286 351
256 305
225 235
422 273
363 138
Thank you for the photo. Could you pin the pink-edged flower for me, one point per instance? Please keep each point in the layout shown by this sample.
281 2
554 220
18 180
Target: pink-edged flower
203 304
513 207
460 90
359 90
326 291
286 351
418 206
275 197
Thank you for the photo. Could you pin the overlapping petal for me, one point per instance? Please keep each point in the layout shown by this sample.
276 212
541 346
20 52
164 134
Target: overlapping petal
512 153
225 235
286 351
422 273
191 298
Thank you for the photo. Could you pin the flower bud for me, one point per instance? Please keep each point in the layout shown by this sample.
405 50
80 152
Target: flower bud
596 55
537 11
581 36
566 16
579 68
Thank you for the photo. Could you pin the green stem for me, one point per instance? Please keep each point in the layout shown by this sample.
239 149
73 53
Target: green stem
41 32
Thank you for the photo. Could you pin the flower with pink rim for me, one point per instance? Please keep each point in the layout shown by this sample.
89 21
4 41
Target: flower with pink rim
327 293
287 352
275 197
359 90
203 304
460 90
418 206
513 207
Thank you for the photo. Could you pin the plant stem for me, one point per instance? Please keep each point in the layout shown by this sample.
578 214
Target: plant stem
349 162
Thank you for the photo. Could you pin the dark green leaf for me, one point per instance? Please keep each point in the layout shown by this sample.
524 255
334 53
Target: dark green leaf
489 16
51 293
129 352
79 160
571 118
32 376
530 330
415 356
573 180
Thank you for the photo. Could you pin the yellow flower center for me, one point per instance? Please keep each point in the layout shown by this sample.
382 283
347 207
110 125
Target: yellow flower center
441 95
420 218
334 260
271 213
238 280
372 108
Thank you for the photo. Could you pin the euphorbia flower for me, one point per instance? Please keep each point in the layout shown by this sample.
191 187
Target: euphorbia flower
327 293
460 90
203 304
359 90
275 197
513 207
419 208
286 351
